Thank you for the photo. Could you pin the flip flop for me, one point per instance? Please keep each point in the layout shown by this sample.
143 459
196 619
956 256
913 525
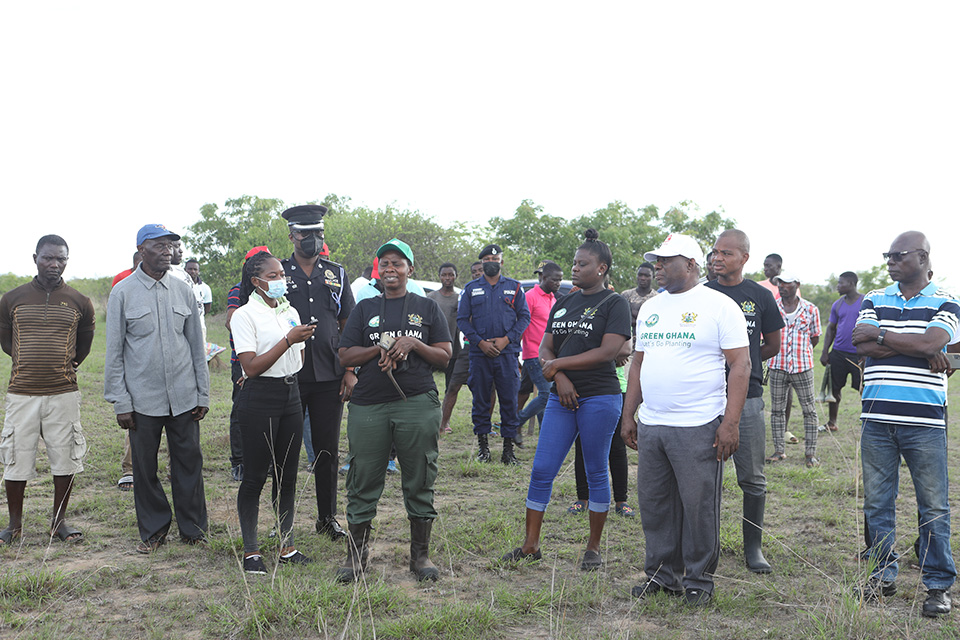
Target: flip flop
791 439
125 483
777 457
7 536
66 533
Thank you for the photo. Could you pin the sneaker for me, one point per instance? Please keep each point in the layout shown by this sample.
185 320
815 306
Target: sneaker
937 603
577 507
295 557
821 428
517 554
591 561
875 589
697 597
343 470
652 588
392 467
254 564
328 526
125 483
626 511
236 473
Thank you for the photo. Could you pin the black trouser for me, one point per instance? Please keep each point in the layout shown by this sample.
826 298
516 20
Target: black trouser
186 476
236 445
271 424
618 468
326 410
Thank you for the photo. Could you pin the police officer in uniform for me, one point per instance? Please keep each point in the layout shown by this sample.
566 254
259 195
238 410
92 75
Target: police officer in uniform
320 291
493 315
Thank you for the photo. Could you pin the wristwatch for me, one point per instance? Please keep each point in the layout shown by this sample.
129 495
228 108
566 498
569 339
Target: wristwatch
883 332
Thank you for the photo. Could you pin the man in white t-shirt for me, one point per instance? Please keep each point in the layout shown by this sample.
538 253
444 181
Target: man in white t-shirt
688 421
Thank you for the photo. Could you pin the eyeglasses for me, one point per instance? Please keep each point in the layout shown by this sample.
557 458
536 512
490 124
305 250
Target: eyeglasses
898 256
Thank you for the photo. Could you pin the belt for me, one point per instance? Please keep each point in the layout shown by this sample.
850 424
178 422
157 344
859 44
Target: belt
287 380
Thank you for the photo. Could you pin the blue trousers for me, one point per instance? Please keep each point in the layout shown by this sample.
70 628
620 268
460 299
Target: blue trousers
595 422
484 373
537 405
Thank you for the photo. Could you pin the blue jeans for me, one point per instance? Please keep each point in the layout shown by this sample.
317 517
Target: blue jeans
537 405
924 449
595 422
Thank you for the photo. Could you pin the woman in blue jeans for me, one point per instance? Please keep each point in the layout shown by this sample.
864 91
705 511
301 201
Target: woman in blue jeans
584 333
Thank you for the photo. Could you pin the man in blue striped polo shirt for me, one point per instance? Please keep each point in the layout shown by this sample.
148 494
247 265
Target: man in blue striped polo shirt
903 330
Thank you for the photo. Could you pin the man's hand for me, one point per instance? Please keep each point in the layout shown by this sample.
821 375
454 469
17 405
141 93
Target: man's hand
939 363
198 413
501 342
727 441
865 333
347 383
125 420
489 348
628 431
825 358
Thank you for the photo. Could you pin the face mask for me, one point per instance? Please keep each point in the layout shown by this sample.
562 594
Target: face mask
312 245
276 289
491 269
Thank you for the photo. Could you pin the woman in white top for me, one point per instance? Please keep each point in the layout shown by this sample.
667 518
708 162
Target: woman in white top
269 341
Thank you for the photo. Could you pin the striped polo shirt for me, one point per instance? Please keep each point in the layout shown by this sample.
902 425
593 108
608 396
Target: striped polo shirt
901 389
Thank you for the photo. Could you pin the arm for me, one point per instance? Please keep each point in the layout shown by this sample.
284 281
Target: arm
634 396
523 318
6 340
254 365
771 345
206 307
464 316
436 354
229 316
609 347
193 332
923 345
728 433
358 356
624 354
566 392
815 329
84 343
828 338
114 387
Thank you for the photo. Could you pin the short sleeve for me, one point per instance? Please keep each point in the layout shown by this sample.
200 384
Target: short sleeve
946 318
6 322
815 329
868 314
352 335
619 319
233 299
244 332
770 320
732 325
206 295
834 314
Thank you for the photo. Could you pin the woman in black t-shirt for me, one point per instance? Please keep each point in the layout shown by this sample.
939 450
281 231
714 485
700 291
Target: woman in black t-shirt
584 333
396 340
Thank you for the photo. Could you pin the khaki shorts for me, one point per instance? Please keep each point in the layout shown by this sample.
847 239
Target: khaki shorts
56 419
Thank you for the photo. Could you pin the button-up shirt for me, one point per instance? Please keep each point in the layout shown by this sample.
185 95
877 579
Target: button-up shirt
156 363
491 311
796 350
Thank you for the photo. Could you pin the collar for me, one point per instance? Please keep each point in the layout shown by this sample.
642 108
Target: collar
36 283
894 290
282 304
149 282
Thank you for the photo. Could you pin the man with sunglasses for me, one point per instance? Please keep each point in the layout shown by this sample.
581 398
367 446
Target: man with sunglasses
902 331
320 292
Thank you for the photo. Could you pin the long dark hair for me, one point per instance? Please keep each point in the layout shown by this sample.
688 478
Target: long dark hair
251 268
597 247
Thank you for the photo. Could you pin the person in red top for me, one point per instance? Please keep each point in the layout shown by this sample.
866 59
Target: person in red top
126 272
540 301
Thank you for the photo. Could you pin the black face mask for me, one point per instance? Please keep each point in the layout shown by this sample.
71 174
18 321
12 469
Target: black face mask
491 269
312 245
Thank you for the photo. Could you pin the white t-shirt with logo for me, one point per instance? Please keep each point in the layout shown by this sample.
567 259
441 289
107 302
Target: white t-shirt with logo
682 337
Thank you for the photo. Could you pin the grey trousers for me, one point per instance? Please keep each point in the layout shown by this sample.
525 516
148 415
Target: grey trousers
678 485
186 476
748 459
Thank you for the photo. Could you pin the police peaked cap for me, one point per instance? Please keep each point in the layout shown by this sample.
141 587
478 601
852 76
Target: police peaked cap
305 216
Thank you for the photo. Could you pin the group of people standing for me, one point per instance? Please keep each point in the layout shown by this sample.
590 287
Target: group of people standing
674 371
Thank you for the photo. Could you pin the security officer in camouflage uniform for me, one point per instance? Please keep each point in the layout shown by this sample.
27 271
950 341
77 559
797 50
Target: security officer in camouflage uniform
320 291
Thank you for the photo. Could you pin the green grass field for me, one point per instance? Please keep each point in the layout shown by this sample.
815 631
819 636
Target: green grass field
103 589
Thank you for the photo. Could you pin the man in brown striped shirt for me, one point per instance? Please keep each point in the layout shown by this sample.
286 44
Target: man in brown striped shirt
47 329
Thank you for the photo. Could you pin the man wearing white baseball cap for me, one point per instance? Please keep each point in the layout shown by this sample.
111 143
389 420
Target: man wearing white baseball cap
687 423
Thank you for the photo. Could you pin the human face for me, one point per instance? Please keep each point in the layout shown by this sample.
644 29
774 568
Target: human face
729 258
298 236
194 270
51 261
673 273
587 272
788 290
177 253
394 272
157 254
448 276
909 267
476 270
644 278
550 282
845 286
770 267
270 270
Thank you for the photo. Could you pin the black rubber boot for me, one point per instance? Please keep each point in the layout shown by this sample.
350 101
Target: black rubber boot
357 552
753 507
483 452
420 563
507 457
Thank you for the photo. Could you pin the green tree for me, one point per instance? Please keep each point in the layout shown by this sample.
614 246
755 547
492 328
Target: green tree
528 237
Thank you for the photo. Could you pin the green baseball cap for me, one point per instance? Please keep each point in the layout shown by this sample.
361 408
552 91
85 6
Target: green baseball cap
396 245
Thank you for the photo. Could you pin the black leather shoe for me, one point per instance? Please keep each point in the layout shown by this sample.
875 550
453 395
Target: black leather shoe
650 588
937 603
697 597
329 527
875 589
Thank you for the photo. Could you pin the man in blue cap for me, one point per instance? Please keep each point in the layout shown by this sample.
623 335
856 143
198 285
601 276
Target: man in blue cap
156 377
493 315
320 292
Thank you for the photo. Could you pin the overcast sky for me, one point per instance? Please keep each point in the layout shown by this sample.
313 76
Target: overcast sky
823 128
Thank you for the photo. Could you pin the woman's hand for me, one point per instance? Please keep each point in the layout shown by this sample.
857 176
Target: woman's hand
567 392
402 348
300 333
550 369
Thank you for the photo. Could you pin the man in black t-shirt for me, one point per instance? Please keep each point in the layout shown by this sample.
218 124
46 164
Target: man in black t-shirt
731 252
447 299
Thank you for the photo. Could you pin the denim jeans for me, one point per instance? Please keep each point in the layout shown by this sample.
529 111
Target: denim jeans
924 449
537 405
595 422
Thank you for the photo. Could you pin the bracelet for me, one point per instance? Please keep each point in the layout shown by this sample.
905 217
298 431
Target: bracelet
289 346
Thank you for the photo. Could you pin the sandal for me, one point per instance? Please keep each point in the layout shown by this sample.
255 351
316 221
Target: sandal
577 507
626 511
812 462
832 427
151 545
777 457
7 536
66 533
125 483
517 554
791 439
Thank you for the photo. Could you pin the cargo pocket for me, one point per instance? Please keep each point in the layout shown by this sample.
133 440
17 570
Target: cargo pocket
79 443
430 470
6 446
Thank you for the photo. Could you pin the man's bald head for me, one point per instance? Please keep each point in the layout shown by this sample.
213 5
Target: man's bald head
743 242
916 239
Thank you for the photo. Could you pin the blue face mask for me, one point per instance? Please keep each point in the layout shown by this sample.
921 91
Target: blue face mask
276 289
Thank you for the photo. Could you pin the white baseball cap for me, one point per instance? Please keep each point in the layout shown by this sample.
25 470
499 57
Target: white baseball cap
786 276
677 244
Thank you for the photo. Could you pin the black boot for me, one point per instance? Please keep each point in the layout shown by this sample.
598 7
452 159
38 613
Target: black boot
752 525
420 563
507 457
357 552
483 454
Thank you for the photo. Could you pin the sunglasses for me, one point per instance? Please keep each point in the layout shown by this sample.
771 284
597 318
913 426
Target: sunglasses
898 256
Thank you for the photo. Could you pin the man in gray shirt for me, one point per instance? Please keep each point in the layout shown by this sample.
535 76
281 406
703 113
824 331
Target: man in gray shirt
156 377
